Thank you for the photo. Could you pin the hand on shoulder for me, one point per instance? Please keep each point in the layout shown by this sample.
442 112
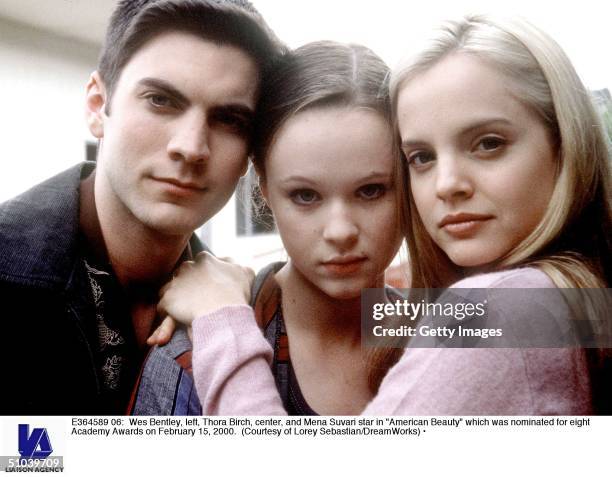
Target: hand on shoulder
200 287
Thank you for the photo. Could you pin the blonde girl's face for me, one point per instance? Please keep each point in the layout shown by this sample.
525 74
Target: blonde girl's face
329 181
482 165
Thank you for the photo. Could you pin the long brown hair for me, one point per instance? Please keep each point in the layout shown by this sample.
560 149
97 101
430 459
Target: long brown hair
318 75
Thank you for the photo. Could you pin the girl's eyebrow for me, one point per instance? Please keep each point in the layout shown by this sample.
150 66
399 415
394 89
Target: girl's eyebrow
373 176
409 143
471 127
298 178
376 176
486 122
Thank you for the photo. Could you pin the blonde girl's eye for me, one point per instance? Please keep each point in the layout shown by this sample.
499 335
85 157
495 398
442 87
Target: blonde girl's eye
490 144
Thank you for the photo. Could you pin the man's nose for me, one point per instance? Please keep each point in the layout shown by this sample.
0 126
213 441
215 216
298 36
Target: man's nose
190 141
341 228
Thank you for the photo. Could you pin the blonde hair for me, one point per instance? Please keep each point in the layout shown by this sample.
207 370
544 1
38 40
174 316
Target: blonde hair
571 244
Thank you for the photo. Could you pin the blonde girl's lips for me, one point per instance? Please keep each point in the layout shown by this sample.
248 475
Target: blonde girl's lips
464 229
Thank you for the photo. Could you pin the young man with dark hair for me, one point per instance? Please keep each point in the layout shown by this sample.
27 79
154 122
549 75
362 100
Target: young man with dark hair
84 254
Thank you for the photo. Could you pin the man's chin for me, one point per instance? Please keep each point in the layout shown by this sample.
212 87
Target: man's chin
177 223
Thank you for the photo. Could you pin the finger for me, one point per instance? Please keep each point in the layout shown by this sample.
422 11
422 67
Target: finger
203 256
164 331
184 267
251 275
152 340
250 272
165 288
161 304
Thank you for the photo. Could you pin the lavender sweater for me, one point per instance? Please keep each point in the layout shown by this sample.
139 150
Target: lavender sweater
232 373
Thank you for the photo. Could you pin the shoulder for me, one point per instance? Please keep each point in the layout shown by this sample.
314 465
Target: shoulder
518 293
264 275
165 385
525 305
49 197
527 277
38 230
266 294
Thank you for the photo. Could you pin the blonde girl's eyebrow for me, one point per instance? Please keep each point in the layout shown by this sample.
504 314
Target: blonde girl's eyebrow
484 123
469 128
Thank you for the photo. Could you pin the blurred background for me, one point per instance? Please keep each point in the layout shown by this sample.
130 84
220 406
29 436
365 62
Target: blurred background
48 48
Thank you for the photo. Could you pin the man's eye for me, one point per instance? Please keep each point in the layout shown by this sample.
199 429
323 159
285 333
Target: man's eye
233 121
159 101
304 196
420 158
371 191
490 143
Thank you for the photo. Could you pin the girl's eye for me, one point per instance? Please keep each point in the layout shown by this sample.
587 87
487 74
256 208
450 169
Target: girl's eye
490 144
304 196
420 158
371 191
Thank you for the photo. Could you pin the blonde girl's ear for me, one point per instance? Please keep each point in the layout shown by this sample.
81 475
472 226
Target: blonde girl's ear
95 104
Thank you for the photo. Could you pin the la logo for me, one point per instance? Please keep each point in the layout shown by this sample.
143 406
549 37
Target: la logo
36 445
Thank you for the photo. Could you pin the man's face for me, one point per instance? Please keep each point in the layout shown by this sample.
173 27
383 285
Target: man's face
175 140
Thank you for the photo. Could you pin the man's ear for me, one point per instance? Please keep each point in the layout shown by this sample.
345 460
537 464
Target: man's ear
95 104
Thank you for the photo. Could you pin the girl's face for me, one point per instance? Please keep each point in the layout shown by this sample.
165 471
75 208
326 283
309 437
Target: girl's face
482 165
329 182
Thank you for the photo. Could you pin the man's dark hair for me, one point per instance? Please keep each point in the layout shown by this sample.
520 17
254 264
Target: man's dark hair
227 22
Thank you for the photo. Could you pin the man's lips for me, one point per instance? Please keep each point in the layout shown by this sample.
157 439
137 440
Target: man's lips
463 224
179 188
180 183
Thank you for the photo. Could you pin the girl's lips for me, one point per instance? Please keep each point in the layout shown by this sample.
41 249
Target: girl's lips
463 217
344 267
464 229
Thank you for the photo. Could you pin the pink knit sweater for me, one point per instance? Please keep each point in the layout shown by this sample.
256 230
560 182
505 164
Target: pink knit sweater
232 373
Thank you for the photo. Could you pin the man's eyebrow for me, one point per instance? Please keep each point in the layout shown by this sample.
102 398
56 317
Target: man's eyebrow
238 109
164 87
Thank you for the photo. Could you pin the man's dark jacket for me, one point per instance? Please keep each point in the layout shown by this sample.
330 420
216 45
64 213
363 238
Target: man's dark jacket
49 325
